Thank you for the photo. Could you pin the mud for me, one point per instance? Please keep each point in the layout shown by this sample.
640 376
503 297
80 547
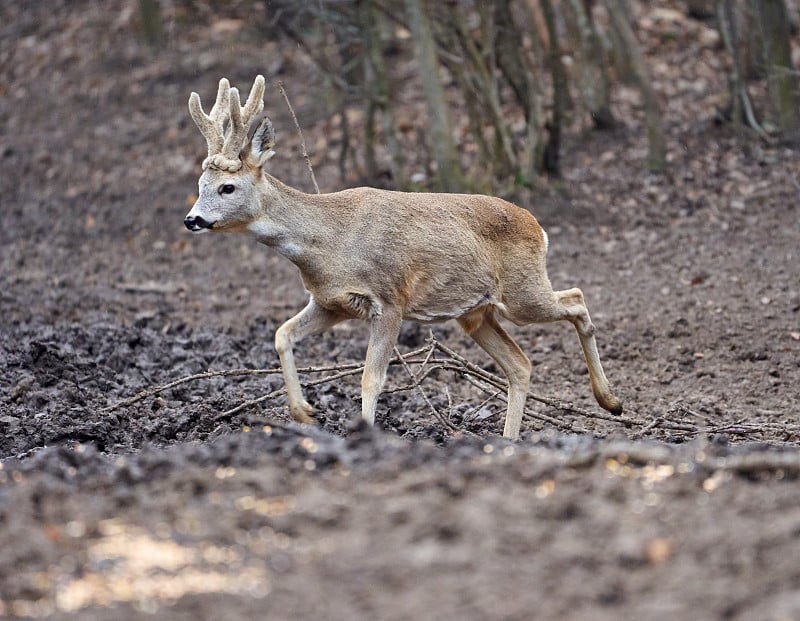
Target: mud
687 507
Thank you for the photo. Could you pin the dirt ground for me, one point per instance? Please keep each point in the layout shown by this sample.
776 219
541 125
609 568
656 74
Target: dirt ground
688 507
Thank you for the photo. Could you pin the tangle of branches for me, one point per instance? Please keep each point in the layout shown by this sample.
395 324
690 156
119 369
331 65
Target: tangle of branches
436 357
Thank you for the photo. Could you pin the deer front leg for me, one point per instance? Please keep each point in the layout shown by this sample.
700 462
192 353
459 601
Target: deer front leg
383 336
313 319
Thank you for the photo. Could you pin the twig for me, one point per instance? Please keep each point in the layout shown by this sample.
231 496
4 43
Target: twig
449 403
419 379
431 351
150 392
322 380
300 134
651 425
498 382
473 411
475 369
565 426
436 413
280 391
730 40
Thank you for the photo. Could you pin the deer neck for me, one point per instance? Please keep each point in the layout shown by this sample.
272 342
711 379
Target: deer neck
294 223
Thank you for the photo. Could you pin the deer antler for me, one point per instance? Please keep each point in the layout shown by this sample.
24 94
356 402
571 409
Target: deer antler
211 125
242 117
223 151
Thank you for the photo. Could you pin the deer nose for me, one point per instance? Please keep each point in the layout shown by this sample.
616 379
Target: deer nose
195 223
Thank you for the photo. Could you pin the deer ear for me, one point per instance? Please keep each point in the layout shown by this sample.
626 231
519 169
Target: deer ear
260 148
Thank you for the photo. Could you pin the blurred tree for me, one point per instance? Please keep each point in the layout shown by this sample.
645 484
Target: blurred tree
700 9
741 108
595 84
503 62
775 32
620 22
449 177
378 95
476 68
550 162
151 24
757 37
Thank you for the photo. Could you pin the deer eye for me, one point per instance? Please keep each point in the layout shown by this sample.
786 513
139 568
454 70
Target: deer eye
226 188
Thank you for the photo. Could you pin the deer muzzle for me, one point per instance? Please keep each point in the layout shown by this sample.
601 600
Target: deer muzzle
197 223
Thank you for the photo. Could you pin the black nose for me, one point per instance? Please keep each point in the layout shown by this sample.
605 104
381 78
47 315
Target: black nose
195 223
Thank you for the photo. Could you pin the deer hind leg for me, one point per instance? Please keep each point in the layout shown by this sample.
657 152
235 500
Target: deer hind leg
313 319
384 330
571 306
483 327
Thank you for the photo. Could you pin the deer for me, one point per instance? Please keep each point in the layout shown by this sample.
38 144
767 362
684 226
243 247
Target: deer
384 257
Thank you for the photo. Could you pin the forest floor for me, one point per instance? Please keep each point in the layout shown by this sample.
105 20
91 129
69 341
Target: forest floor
686 507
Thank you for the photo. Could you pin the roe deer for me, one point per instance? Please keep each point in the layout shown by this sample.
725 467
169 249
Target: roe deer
385 256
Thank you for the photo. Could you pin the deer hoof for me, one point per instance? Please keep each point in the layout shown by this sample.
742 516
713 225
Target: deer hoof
302 413
611 403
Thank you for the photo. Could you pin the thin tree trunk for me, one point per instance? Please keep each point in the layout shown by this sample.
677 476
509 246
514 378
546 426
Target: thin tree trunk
775 29
560 94
595 82
741 107
396 160
473 95
618 13
504 151
621 61
700 9
449 174
509 59
536 140
152 27
518 68
376 86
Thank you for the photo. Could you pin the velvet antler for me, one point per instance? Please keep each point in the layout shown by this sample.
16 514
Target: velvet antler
223 151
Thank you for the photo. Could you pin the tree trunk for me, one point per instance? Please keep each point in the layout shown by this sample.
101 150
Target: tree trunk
486 88
535 135
655 136
700 9
378 94
508 44
560 94
449 174
773 21
152 27
594 79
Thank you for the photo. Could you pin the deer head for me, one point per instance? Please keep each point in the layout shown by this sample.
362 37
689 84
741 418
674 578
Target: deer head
227 193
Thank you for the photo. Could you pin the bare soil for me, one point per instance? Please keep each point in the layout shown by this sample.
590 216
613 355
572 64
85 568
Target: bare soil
687 507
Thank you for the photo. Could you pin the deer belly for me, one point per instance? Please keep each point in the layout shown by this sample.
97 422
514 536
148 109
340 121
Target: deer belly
448 307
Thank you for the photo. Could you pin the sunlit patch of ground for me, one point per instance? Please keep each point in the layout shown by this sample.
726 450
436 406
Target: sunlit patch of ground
127 564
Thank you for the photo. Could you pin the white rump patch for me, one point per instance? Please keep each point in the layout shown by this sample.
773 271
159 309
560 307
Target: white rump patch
546 241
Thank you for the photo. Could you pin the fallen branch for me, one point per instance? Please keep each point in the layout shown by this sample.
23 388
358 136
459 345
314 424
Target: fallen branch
281 391
437 415
501 384
649 426
492 385
151 392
